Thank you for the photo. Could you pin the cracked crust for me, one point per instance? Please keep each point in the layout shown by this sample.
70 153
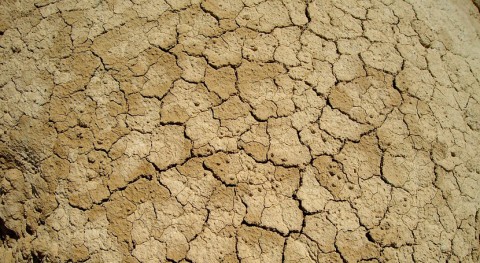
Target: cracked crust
239 131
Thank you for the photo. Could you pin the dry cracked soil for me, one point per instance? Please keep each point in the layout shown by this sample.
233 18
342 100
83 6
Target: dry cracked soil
239 131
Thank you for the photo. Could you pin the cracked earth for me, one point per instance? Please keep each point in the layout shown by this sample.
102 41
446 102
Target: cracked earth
239 131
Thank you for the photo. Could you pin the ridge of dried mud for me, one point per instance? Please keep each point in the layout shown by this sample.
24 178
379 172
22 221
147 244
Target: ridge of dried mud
239 131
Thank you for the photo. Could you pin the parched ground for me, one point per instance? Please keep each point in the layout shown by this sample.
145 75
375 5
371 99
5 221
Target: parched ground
239 131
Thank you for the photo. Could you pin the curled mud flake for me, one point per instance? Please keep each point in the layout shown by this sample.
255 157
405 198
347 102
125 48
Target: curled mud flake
341 126
221 81
368 158
363 248
257 243
321 230
330 22
225 50
265 16
383 56
285 144
169 147
312 194
348 67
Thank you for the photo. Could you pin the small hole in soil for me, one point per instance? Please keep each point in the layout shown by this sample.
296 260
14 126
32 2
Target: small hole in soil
29 230
6 232
37 258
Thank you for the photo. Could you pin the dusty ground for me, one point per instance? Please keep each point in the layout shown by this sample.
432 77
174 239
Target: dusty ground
239 130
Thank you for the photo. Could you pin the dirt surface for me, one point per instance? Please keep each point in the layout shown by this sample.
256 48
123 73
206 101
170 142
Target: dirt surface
239 130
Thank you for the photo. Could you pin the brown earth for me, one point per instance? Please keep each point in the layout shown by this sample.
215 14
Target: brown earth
239 130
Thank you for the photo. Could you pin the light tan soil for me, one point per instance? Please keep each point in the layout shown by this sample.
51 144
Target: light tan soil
239 130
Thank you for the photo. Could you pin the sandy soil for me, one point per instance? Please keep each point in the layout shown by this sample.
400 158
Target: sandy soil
239 131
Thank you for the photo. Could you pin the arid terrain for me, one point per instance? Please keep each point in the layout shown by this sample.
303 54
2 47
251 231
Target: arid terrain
239 131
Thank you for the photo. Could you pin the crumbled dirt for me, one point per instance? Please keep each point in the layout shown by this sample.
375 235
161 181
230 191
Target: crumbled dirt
239 130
